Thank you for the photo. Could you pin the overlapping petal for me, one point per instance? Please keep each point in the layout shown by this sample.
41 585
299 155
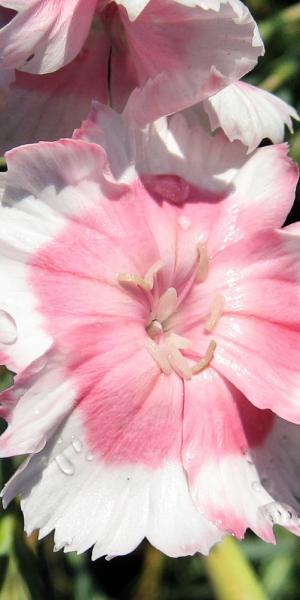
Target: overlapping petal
119 434
44 36
249 114
52 106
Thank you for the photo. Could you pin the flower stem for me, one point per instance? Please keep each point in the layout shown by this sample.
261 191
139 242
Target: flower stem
149 583
230 573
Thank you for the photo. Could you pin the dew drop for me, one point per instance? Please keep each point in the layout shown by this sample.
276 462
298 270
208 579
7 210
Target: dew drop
279 514
184 222
59 441
90 457
76 443
8 328
256 486
64 464
36 411
38 365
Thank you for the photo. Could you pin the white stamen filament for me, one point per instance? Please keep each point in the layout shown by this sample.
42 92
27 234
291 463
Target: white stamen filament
158 354
179 342
177 361
204 362
203 263
215 314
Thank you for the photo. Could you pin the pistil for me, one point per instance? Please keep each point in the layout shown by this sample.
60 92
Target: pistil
203 263
165 346
215 313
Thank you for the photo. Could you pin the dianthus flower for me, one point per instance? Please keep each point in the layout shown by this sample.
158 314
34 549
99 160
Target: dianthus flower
150 308
175 53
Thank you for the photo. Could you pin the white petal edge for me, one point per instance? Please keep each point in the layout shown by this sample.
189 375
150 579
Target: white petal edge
109 506
249 114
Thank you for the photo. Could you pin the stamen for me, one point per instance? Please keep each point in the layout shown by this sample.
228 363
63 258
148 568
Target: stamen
215 314
159 356
166 304
149 277
146 282
179 342
133 280
203 263
155 328
177 361
204 362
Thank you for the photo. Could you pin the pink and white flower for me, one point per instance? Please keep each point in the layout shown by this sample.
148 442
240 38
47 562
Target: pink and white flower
174 52
150 306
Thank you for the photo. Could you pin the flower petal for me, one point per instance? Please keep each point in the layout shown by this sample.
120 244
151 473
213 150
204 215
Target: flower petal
36 405
52 106
249 114
111 507
223 435
44 36
178 55
259 335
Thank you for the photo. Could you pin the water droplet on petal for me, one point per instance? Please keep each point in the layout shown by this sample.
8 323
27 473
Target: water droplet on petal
90 457
256 486
37 365
279 514
64 464
59 441
76 443
184 222
8 328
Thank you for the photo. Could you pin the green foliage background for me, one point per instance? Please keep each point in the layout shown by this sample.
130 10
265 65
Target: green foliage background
29 570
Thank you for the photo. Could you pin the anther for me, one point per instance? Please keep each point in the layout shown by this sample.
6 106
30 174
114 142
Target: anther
204 362
203 263
149 277
215 313
129 279
177 361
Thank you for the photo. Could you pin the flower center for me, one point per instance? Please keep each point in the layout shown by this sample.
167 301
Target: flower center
170 350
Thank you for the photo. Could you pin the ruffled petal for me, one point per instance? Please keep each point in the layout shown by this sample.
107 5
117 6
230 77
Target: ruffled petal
223 455
52 106
249 114
109 506
44 36
35 406
178 55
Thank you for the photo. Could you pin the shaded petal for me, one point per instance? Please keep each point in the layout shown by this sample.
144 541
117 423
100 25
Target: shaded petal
277 462
178 55
36 405
249 114
52 106
217 454
44 36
